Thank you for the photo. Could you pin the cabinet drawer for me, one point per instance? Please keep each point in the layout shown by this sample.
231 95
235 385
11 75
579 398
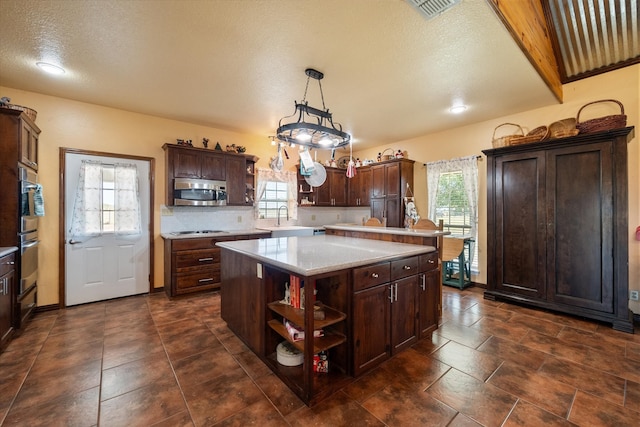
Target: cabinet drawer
429 261
404 267
197 258
198 243
371 275
27 304
6 264
195 280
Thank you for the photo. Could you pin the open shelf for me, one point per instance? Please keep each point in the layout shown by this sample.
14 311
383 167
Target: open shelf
329 340
296 315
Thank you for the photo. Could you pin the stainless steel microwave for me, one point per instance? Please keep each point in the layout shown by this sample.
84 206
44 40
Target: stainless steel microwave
199 192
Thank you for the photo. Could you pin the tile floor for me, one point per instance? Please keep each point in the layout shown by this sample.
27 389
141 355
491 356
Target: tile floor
149 361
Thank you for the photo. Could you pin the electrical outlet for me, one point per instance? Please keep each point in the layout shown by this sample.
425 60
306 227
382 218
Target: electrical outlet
338 216
165 211
313 217
633 295
239 218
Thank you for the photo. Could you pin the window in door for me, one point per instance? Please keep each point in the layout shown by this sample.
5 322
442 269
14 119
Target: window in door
107 200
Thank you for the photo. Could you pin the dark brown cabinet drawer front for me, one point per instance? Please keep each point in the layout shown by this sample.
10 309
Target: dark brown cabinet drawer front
197 258
404 267
429 261
371 275
199 243
197 280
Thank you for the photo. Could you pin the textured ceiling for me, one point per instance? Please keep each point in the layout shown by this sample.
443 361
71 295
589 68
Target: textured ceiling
390 74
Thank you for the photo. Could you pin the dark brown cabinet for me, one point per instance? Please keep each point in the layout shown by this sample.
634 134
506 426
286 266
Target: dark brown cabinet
193 264
29 144
385 311
7 286
428 294
334 191
198 164
389 182
558 225
359 187
238 170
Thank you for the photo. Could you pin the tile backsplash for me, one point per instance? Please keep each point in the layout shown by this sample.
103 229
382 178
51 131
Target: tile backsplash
183 218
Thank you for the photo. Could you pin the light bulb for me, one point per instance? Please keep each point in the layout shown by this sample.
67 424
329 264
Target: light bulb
303 136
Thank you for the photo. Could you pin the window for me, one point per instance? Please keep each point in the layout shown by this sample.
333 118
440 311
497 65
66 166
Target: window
275 195
452 205
107 200
453 197
276 189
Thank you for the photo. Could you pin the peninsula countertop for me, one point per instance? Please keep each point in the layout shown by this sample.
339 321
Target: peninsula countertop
320 254
389 230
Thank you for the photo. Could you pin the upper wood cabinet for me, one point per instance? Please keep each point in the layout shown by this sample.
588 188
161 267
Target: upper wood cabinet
190 162
360 187
557 217
334 190
20 138
389 182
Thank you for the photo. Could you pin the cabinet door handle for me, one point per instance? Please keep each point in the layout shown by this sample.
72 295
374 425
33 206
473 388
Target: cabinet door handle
424 280
205 259
374 275
406 267
396 286
210 279
391 293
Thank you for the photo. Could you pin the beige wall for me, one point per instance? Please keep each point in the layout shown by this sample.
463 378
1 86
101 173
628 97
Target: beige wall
71 124
623 85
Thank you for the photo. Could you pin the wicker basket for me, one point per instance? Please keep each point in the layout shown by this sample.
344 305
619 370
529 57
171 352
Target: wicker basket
31 113
602 123
505 141
563 128
536 135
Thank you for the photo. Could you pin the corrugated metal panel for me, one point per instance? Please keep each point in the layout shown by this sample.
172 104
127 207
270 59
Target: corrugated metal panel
594 35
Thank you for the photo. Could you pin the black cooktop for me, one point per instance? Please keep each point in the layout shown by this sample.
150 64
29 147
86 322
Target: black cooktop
177 233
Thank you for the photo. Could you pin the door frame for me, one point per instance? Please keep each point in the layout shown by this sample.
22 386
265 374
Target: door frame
62 259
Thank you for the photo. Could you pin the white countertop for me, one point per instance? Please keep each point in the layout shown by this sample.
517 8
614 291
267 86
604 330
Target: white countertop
320 254
6 250
389 230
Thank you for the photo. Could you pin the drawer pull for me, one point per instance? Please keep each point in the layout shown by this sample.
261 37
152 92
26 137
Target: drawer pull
205 259
431 261
374 275
210 279
406 267
9 263
423 285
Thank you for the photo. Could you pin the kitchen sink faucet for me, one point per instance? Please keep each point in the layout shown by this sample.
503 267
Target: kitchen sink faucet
286 209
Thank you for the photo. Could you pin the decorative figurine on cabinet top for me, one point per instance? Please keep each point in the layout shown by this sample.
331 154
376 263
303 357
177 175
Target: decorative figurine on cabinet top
205 142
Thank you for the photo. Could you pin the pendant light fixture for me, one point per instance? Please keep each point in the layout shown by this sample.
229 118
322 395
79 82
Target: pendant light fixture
312 127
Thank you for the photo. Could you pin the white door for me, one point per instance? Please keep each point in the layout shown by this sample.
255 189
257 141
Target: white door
106 266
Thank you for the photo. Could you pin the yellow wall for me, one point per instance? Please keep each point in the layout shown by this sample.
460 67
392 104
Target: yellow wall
71 124
623 85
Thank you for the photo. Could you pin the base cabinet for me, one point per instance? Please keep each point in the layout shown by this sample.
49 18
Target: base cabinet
558 211
193 264
7 286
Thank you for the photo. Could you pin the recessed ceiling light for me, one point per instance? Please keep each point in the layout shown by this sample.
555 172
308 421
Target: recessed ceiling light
458 109
50 68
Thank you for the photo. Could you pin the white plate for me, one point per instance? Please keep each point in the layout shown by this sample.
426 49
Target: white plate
318 175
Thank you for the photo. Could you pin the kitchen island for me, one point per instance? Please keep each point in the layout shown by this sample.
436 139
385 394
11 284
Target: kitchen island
367 299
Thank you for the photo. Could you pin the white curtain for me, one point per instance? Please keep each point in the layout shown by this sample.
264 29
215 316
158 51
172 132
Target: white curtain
87 216
127 200
290 177
469 168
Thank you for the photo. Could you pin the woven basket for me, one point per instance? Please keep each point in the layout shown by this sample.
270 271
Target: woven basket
602 123
563 128
31 113
505 141
535 135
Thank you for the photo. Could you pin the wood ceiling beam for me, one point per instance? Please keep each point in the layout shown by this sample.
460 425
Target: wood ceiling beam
526 22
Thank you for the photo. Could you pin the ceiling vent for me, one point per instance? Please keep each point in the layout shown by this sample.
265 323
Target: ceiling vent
432 8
